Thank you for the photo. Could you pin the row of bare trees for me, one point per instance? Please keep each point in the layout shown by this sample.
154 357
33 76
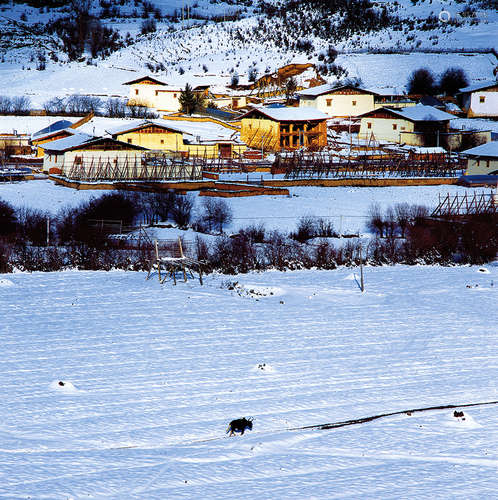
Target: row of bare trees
402 234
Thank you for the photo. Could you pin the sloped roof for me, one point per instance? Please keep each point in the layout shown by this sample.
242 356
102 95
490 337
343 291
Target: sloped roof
421 113
51 129
488 149
192 131
289 114
67 143
141 79
138 124
418 113
330 87
78 140
480 86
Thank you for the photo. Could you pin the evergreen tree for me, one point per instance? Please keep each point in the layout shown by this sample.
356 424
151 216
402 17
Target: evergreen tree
188 100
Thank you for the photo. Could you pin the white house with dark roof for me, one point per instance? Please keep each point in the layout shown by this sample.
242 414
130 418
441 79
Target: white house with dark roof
480 100
150 92
334 100
348 100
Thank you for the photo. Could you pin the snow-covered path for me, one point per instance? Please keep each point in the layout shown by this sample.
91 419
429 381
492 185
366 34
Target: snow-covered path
153 374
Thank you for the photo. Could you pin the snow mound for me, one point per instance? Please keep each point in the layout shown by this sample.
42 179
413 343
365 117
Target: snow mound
264 367
461 420
6 283
63 386
350 277
254 291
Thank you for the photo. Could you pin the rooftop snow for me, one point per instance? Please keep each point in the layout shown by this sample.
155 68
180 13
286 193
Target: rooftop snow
70 142
480 86
488 149
326 88
205 131
291 114
421 113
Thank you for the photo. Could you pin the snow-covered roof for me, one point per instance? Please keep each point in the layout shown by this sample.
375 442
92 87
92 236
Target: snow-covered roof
488 149
425 150
70 142
136 124
100 125
480 86
192 131
290 114
421 113
205 131
329 87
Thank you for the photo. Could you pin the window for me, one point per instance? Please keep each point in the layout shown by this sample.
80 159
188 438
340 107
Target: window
482 98
162 141
395 126
329 102
369 125
129 141
354 103
136 91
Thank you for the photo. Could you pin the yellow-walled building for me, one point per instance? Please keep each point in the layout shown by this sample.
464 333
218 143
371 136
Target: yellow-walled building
275 129
204 138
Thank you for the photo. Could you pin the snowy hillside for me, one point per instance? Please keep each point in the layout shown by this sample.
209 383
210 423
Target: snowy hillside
151 375
210 39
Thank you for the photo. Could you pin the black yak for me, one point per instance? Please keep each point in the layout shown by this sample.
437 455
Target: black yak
239 425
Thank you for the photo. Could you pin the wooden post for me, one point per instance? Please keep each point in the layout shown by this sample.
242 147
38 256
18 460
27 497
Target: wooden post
182 257
157 260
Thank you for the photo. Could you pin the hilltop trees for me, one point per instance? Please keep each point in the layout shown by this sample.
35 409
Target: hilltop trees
422 81
452 80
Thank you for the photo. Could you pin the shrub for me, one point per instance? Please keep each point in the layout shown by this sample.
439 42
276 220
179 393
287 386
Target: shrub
8 220
182 210
216 214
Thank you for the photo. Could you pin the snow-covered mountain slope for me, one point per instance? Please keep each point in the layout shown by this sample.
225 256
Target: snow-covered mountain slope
212 38
153 374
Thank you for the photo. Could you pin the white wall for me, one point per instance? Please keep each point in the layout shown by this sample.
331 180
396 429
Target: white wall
340 104
487 108
382 128
155 96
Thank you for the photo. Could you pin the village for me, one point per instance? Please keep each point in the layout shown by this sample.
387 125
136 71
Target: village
283 126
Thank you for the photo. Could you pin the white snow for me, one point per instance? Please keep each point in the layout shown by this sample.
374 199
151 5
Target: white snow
161 370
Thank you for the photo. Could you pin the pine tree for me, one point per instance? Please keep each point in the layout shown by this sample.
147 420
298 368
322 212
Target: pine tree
188 100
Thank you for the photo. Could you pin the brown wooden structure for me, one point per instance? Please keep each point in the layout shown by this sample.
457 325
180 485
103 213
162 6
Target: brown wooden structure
325 164
168 266
466 204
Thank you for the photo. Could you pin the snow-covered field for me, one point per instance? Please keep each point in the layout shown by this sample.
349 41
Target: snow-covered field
346 207
153 374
